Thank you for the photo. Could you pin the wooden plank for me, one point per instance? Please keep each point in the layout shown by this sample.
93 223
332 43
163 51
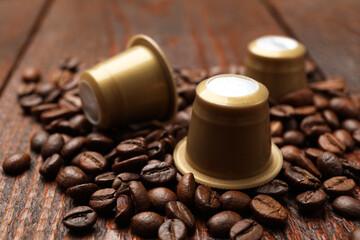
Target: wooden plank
331 31
194 34
19 20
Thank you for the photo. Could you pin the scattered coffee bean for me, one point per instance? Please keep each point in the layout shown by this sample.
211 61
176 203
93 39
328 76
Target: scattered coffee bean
301 112
356 136
82 192
72 147
124 210
301 179
339 185
131 148
347 206
50 168
146 224
276 128
282 112
320 101
53 144
99 142
279 141
331 119
220 224
158 174
311 201
134 164
31 74
328 142
92 162
172 229
186 189
176 209
276 189
70 176
44 88
139 196
105 180
246 229
80 218
16 163
268 210
235 201
160 196
329 165
301 97
294 137
290 153
29 101
103 200
345 107
350 125
54 114
345 137
156 150
38 139
25 89
207 200
314 125
313 153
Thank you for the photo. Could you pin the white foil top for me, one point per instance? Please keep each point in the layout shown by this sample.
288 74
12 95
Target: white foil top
276 43
232 86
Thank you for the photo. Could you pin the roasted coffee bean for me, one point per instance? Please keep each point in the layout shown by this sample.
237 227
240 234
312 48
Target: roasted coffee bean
172 229
290 153
353 167
356 136
282 111
187 91
294 137
186 189
82 192
285 165
80 218
158 174
220 224
314 125
347 206
155 135
290 124
44 88
25 89
320 101
110 157
139 196
80 123
301 112
328 142
332 84
276 189
39 109
103 200
313 153
160 196
29 101
99 142
176 209
331 119
355 235
344 107
279 141
301 179
153 161
301 97
169 159
31 74
51 166
38 139
168 143
131 148
207 200
146 224
105 180
235 201
305 163
16 163
268 210
126 177
69 63
276 128
70 176
350 125
53 96
72 147
311 201
339 185
156 150
50 115
345 137
92 162
329 165
134 164
124 210
246 229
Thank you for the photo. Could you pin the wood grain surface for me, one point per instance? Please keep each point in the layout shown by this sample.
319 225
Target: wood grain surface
191 33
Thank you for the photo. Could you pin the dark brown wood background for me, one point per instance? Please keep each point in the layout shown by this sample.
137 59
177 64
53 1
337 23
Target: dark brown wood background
192 33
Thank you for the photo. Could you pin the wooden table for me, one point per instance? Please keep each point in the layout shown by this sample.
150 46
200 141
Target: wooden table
192 33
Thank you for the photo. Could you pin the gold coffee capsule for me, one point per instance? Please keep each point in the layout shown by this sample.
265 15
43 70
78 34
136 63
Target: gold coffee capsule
228 144
134 86
277 62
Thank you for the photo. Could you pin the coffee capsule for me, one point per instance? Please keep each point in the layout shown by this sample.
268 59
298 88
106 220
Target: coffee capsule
136 85
228 144
278 62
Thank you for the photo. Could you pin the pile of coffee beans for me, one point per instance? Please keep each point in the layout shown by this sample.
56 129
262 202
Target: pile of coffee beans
130 171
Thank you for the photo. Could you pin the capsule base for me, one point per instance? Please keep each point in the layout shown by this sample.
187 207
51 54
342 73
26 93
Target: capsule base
182 164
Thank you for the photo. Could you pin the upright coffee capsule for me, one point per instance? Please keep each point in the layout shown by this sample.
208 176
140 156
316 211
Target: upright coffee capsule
278 62
228 145
134 86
